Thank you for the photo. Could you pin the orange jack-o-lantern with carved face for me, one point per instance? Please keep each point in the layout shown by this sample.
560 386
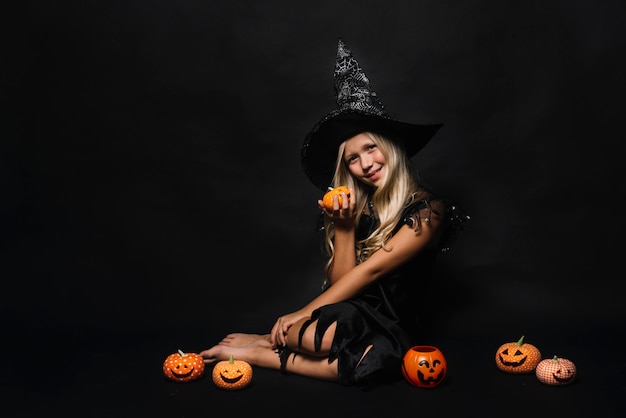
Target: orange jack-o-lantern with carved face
183 367
424 366
556 371
232 374
517 357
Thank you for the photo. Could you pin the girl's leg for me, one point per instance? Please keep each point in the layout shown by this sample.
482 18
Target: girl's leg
300 356
306 344
260 353
238 338
303 360
305 347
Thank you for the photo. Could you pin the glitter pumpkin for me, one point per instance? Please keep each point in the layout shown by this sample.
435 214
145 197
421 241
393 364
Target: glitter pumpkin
232 374
183 367
518 357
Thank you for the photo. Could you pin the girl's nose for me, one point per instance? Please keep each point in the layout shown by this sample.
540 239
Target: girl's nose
366 163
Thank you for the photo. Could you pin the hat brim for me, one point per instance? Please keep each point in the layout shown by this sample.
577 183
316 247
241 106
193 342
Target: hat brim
319 150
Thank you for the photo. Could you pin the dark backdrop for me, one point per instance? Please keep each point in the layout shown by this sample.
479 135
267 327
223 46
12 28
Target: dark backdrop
151 184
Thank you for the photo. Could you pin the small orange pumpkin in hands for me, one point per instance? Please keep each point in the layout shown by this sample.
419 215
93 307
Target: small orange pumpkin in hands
337 191
518 357
556 371
183 367
232 374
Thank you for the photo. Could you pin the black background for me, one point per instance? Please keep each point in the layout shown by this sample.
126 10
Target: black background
153 199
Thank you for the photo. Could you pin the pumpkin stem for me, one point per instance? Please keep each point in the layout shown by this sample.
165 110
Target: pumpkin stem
555 358
181 353
231 361
520 341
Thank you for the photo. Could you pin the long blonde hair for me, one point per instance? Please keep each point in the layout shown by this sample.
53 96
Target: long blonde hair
399 188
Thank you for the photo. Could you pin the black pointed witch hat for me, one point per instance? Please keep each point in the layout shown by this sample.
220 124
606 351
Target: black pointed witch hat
358 110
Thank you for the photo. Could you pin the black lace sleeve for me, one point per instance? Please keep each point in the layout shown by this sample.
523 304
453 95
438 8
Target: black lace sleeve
453 217
456 220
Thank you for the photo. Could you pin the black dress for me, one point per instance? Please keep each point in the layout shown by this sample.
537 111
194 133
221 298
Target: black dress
385 314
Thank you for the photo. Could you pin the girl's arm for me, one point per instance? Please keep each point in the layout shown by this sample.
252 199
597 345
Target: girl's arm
404 245
344 240
345 256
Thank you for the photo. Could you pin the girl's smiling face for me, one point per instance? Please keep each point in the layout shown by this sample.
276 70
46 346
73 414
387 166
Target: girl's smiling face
365 160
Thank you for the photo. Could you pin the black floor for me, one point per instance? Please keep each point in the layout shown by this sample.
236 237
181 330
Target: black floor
113 373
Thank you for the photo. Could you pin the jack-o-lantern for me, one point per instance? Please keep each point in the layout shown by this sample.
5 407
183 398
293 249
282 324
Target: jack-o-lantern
424 366
232 374
556 371
183 367
337 191
518 357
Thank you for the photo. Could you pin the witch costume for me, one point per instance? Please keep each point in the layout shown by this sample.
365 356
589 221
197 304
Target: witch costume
384 315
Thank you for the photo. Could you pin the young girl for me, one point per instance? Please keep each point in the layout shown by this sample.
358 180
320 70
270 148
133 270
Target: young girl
381 241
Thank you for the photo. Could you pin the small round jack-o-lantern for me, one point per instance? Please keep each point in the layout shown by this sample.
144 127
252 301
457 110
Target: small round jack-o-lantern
337 191
232 374
517 357
556 371
183 367
424 366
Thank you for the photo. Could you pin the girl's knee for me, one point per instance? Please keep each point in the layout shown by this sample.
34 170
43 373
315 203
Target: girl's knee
302 338
299 333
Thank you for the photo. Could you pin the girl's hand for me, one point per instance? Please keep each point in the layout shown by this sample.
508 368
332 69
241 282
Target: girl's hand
278 335
341 214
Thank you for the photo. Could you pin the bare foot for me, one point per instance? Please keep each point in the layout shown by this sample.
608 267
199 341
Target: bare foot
259 350
238 339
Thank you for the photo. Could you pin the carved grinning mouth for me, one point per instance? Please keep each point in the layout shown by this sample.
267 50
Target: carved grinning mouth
181 375
513 363
231 380
430 380
562 379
